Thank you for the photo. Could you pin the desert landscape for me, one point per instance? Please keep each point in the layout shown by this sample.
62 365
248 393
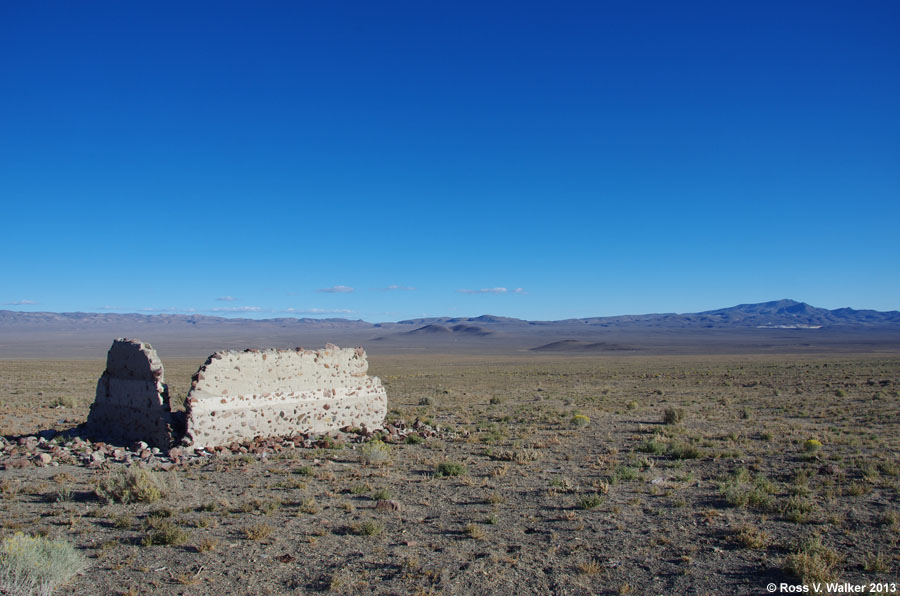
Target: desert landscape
457 298
563 470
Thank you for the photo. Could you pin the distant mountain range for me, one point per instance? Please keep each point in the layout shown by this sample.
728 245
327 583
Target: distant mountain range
779 326
775 314
778 313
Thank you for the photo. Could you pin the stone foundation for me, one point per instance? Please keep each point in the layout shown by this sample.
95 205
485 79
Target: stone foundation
235 396
132 401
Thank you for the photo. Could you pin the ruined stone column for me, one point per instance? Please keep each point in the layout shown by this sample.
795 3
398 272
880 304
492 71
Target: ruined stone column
132 402
238 396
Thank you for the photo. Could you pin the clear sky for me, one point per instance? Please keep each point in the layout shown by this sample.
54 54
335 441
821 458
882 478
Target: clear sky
388 160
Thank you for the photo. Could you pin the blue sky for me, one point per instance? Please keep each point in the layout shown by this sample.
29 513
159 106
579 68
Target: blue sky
387 160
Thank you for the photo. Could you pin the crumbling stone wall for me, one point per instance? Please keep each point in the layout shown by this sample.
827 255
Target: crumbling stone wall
237 396
132 401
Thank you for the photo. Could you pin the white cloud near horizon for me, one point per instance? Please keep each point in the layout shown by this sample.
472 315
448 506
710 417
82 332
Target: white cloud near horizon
237 309
226 299
172 309
336 290
320 311
493 291
401 288
21 303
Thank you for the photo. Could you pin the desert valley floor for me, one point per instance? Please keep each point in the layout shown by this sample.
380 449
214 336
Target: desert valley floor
527 474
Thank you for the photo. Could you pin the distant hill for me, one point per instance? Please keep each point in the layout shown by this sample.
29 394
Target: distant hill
575 345
88 319
774 314
778 313
777 325
442 331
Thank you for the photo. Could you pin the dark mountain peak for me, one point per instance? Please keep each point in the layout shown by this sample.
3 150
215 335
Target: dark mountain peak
429 330
494 319
471 330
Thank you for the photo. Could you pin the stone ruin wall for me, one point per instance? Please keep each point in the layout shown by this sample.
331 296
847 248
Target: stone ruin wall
235 396
241 395
132 401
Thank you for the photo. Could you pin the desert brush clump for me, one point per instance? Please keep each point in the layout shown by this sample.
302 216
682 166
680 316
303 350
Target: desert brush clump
35 565
449 469
367 528
742 490
673 415
580 420
812 561
163 531
258 531
588 502
375 453
812 446
135 485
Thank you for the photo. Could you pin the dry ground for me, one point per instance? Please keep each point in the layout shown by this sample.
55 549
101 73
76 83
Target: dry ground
570 483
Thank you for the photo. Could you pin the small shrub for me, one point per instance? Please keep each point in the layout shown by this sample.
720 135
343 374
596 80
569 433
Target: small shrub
382 494
66 401
206 545
592 567
625 473
812 562
414 439
258 531
494 401
264 506
632 405
309 506
798 509
580 420
741 490
683 451
425 401
495 499
811 446
475 532
135 485
163 531
375 453
877 563
36 565
589 502
673 415
62 493
654 446
449 469
367 528
303 471
123 521
752 537
519 456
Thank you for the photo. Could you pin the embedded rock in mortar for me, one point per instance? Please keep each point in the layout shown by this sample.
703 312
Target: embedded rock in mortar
132 401
238 396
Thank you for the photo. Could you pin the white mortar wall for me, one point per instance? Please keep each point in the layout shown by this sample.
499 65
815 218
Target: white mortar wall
238 396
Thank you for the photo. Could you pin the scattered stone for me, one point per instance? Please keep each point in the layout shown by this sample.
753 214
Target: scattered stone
18 462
